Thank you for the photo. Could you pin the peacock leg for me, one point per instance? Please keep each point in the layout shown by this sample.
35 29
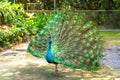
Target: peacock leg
56 70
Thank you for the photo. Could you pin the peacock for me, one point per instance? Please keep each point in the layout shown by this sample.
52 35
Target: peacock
71 38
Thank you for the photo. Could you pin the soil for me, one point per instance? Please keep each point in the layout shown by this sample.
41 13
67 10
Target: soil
112 58
17 64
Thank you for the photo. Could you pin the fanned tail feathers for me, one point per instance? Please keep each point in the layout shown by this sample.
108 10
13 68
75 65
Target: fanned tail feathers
75 40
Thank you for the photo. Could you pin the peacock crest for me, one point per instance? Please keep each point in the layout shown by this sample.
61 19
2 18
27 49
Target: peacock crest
76 42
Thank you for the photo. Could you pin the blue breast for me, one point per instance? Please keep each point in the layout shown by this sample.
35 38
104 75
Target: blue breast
49 56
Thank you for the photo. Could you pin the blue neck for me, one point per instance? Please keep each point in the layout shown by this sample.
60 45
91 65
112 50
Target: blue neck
49 56
49 47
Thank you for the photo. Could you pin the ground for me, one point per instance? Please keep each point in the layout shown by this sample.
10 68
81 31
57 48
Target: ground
16 64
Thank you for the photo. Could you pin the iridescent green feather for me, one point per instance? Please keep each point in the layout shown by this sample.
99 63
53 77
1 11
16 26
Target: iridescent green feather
76 41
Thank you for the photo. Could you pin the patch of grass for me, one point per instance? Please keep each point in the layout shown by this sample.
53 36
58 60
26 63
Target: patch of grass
111 38
110 34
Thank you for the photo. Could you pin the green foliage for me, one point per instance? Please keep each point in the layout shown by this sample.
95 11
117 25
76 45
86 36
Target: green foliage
34 0
4 0
22 26
37 22
91 4
8 38
10 14
110 34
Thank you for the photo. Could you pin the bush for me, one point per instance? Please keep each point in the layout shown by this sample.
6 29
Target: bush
37 23
10 14
21 25
8 38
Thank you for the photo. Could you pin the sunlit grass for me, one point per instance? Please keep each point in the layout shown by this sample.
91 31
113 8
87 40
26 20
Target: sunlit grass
111 38
110 34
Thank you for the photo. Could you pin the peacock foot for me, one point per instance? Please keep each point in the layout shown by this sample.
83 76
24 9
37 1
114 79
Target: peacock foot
56 71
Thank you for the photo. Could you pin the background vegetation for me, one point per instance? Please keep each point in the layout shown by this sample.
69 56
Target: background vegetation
107 13
16 25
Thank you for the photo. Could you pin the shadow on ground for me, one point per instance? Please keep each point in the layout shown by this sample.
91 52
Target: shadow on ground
36 72
46 72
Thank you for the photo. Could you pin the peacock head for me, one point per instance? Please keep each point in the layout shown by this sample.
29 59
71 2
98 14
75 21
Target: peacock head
49 40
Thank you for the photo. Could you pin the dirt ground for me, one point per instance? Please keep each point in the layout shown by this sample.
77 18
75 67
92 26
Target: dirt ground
16 64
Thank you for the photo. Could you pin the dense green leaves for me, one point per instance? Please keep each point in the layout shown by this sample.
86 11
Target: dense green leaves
10 14
11 37
22 25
